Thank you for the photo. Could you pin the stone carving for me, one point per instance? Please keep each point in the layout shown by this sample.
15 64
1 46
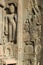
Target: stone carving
27 25
8 50
37 49
33 28
11 22
26 31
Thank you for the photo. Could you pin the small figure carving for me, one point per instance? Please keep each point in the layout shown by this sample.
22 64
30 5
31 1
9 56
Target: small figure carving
27 25
26 32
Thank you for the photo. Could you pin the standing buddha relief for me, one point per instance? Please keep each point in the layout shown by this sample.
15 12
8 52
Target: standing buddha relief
10 28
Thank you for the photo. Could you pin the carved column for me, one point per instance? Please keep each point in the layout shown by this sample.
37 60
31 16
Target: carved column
20 32
1 27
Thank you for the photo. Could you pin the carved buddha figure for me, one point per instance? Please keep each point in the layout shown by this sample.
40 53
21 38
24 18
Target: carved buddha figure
12 22
13 19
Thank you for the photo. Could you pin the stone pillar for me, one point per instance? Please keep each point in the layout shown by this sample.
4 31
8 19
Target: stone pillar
20 32
1 27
